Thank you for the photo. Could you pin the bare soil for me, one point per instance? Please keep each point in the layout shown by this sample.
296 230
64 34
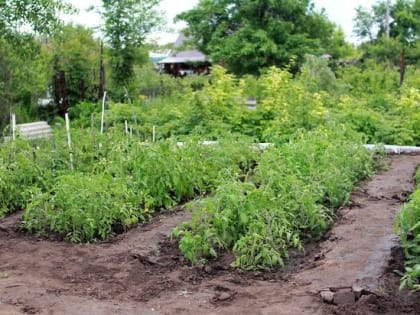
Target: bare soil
142 272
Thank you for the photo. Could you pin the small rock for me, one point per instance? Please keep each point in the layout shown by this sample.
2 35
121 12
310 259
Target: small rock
344 297
145 258
4 275
357 290
327 296
369 299
224 267
199 266
224 296
208 269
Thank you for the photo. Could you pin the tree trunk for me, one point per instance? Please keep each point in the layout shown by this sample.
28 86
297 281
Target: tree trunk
402 67
101 88
60 89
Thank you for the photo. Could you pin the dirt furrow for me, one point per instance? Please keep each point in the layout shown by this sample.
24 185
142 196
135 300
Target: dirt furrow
46 277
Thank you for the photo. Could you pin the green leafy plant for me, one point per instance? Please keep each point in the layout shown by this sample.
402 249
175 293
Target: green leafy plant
289 198
408 228
95 203
131 179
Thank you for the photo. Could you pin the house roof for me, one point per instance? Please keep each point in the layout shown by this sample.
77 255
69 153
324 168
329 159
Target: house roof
184 56
180 40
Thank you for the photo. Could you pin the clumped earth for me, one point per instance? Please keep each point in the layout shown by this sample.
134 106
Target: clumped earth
351 271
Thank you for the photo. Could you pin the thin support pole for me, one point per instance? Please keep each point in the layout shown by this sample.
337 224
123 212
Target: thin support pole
133 114
13 126
92 129
69 140
103 113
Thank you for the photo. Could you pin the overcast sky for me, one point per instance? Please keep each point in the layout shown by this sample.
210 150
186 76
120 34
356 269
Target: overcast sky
340 12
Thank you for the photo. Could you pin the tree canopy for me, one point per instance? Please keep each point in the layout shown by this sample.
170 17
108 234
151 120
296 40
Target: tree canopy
127 22
398 19
74 56
41 16
248 35
387 28
23 68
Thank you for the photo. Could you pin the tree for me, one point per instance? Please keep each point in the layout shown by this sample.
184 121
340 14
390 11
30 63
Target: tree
388 28
75 59
127 22
23 75
23 67
41 16
399 20
249 35
363 24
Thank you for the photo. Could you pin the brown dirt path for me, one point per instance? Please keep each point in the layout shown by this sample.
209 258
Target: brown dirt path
141 272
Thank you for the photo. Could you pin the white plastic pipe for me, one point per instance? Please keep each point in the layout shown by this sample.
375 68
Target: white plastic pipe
395 149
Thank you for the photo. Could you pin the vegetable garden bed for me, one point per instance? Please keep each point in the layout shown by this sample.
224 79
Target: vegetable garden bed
141 271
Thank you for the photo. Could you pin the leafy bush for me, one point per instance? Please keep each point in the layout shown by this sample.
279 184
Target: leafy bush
317 76
23 167
288 199
366 97
131 180
82 207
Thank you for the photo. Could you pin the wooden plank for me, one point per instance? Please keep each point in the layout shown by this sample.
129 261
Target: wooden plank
35 130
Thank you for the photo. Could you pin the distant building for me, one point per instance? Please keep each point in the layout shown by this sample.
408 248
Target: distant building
181 63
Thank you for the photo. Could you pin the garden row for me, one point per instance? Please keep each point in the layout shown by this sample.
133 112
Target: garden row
409 229
260 204
117 181
288 199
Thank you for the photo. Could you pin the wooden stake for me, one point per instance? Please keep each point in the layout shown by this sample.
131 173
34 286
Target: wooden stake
13 126
133 115
103 113
69 140
92 129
